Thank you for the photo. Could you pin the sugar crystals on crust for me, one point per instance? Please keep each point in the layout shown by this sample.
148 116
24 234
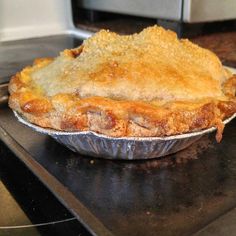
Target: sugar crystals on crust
146 84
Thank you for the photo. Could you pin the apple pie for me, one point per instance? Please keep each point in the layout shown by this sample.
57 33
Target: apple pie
146 84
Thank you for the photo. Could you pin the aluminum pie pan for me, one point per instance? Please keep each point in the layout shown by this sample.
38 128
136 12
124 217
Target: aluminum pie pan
123 148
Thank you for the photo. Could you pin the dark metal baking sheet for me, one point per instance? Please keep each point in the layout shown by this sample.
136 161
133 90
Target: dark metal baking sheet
174 196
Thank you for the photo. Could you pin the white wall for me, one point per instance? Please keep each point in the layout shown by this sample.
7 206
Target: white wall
33 18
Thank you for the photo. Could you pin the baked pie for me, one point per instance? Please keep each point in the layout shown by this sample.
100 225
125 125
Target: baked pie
146 84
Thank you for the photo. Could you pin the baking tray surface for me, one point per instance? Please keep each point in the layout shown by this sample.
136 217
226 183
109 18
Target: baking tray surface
178 194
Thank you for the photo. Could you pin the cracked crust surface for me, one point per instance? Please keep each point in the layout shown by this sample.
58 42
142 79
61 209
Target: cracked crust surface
146 84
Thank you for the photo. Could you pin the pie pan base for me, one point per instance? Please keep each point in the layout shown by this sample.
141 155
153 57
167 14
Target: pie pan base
122 148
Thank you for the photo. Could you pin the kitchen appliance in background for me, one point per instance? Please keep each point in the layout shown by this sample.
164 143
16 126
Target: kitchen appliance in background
171 14
191 11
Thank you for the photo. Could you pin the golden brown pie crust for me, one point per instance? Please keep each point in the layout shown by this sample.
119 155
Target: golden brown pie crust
146 84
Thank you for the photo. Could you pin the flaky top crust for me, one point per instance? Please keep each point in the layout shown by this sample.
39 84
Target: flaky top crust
146 84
